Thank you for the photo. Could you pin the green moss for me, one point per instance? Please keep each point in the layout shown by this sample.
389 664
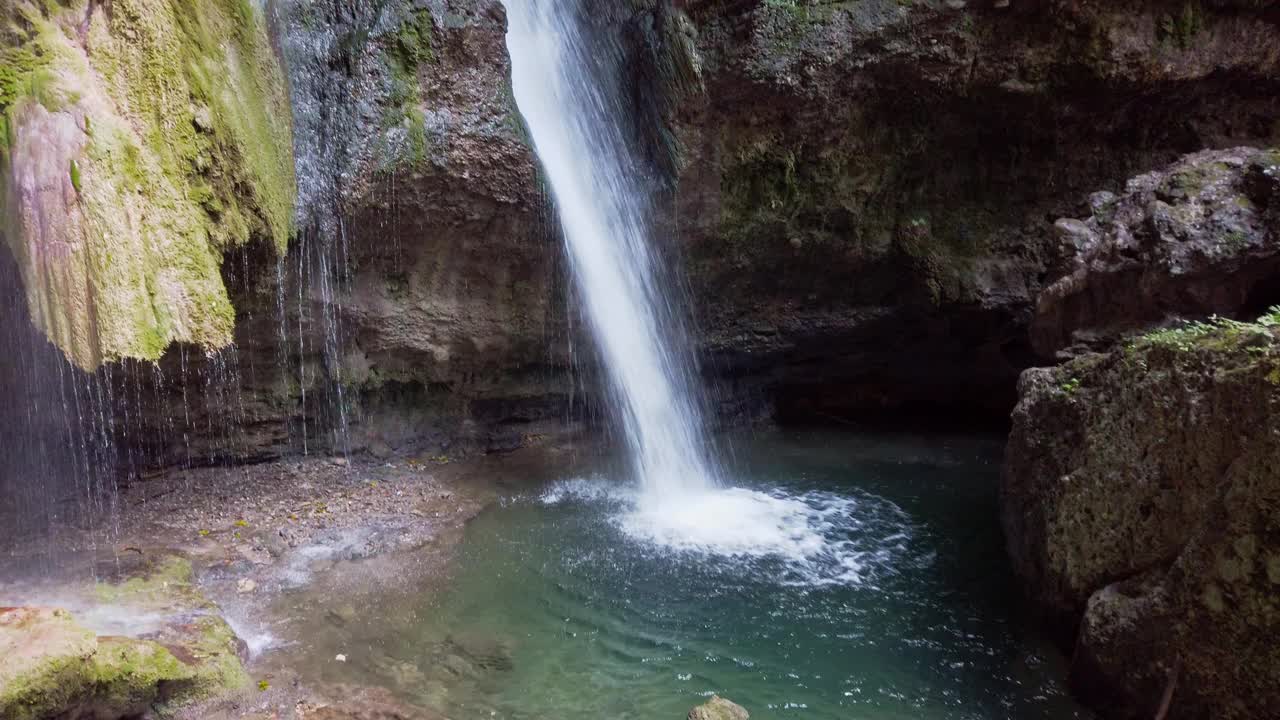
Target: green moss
120 677
130 673
212 96
417 136
407 54
1194 179
101 677
414 41
166 579
1215 334
218 665
188 152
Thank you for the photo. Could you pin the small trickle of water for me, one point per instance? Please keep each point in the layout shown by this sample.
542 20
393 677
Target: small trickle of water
566 88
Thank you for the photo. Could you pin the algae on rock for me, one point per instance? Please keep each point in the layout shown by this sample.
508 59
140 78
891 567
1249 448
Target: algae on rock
140 144
51 666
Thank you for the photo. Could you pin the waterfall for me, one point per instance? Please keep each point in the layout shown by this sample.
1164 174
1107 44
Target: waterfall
567 90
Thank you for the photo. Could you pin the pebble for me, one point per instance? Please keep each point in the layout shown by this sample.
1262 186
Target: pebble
340 657
246 585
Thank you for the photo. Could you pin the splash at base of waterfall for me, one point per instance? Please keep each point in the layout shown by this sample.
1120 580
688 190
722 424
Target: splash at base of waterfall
813 538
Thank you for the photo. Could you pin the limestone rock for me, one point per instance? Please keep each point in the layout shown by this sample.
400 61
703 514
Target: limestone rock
1196 238
1139 500
717 708
142 141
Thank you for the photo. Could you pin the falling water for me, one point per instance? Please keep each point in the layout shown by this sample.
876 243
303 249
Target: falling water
566 89
566 85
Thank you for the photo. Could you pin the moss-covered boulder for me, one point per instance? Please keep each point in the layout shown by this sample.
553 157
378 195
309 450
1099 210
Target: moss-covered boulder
53 666
1141 501
50 666
142 139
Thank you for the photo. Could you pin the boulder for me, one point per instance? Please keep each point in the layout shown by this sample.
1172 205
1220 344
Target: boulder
1195 238
1141 503
52 665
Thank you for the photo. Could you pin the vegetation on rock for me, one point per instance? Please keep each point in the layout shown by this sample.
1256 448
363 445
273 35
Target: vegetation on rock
50 666
174 121
1140 499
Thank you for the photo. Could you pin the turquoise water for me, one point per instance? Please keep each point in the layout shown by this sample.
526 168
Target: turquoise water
560 609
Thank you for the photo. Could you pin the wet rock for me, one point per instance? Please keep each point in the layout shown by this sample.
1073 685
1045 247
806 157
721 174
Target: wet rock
50 666
1139 503
717 708
69 197
863 200
380 449
275 543
412 161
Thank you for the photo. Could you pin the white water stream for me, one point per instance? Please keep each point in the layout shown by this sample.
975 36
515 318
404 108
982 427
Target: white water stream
572 114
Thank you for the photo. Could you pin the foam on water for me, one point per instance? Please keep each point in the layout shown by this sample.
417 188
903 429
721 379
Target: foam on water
818 538
257 639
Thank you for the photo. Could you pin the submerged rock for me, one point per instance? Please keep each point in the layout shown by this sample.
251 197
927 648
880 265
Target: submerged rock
1141 500
717 708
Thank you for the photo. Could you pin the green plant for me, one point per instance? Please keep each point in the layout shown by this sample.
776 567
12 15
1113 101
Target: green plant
1182 29
1213 333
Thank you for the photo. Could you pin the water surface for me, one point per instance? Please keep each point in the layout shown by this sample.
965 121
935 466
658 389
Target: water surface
563 608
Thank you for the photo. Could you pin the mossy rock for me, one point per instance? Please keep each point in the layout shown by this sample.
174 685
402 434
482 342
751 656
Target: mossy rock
50 666
1139 500
129 170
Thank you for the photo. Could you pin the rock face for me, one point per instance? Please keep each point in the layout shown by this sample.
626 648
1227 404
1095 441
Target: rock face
1198 238
863 189
860 195
1141 495
717 708
420 308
